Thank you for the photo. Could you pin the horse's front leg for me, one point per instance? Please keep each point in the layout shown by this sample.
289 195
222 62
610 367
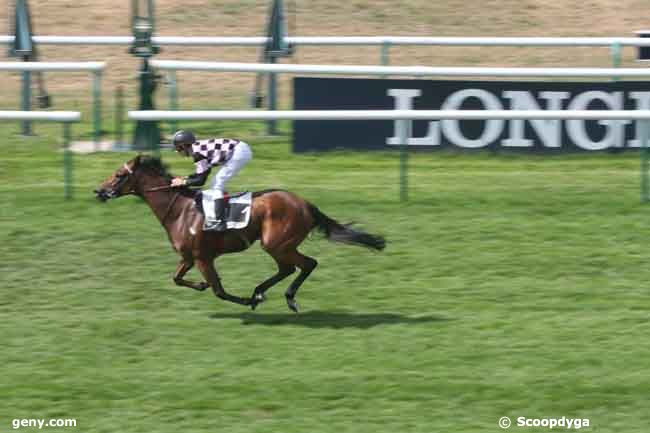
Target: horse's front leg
183 267
210 274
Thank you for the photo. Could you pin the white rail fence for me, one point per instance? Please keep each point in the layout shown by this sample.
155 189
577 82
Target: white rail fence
53 66
615 43
412 71
258 41
166 115
64 117
404 125
96 68
52 116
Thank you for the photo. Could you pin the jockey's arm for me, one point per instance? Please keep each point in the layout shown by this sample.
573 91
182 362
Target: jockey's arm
197 179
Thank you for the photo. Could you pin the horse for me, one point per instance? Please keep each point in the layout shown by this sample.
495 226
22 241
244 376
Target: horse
279 219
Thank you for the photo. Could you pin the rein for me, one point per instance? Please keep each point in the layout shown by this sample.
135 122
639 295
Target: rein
161 188
158 188
171 203
169 207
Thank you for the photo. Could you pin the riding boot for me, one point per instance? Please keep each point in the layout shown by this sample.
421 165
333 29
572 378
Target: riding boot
198 201
220 214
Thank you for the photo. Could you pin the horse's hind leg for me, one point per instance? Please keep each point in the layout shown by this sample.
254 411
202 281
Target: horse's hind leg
284 270
183 268
207 269
306 265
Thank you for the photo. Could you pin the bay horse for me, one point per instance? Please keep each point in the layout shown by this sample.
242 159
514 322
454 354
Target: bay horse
280 219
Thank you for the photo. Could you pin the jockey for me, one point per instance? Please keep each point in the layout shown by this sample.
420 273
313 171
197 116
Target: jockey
231 155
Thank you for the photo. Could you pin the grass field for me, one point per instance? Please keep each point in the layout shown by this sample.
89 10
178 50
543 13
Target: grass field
511 286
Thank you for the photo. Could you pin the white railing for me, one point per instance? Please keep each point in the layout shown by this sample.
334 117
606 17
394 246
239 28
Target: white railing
404 120
257 41
53 116
412 71
471 41
96 68
52 66
64 117
393 115
158 40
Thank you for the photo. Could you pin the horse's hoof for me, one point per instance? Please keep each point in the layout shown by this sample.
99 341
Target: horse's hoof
202 286
293 305
257 299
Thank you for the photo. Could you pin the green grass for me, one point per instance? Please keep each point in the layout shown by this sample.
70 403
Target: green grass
511 285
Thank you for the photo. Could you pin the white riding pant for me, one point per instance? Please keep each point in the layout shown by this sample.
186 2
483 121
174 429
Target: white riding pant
240 157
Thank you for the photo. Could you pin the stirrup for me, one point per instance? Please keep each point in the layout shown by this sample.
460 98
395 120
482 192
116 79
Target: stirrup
213 227
221 225
217 226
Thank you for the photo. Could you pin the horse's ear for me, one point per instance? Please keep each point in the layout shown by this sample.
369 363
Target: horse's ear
136 161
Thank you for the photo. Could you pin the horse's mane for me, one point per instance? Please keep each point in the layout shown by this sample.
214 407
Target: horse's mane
155 165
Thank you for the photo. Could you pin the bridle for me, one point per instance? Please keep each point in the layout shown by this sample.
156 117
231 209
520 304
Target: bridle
125 177
121 180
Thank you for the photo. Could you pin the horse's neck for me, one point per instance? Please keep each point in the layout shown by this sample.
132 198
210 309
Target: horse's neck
162 203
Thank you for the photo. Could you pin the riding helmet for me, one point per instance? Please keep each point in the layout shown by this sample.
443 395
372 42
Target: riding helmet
183 138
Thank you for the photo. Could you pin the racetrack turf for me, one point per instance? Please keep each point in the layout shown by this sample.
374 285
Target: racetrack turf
510 286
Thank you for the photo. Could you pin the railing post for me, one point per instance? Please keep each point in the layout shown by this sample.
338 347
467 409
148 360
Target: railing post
67 162
645 182
173 98
404 134
273 98
97 108
119 119
385 55
26 102
615 52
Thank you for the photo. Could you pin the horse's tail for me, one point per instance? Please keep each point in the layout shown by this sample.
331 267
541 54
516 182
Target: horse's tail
335 231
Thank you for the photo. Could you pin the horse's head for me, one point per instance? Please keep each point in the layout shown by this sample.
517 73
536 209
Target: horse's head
122 182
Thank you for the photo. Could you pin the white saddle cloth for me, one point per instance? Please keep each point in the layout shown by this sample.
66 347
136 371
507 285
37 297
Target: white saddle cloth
238 213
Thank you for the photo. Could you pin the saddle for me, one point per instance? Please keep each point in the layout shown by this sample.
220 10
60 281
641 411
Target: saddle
234 209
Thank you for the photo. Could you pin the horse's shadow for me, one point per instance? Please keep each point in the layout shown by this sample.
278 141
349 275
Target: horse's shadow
327 319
